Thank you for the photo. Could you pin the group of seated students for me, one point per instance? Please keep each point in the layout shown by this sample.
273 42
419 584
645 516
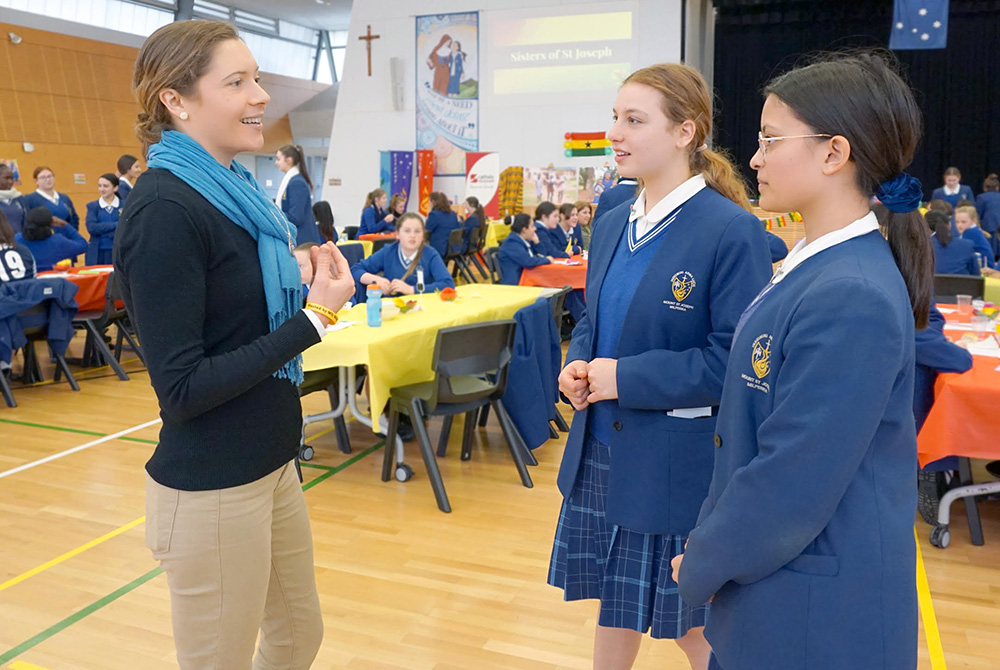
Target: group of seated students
964 233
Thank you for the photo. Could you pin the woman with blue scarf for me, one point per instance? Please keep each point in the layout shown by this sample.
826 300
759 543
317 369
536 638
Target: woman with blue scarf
204 260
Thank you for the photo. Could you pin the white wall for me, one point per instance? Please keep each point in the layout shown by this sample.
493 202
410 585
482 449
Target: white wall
527 133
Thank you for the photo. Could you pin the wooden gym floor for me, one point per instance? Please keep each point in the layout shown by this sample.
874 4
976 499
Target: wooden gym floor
401 584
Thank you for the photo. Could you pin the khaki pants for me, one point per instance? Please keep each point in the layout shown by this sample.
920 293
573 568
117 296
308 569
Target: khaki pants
238 561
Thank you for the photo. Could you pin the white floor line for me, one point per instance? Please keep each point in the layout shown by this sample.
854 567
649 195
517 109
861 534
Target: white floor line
106 438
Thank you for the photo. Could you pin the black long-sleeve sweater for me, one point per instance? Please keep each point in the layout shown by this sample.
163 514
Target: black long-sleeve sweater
193 287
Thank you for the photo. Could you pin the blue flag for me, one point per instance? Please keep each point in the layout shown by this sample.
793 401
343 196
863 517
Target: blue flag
919 24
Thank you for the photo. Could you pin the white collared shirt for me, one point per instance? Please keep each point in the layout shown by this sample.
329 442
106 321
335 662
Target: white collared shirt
54 200
125 179
112 206
801 251
645 222
531 252
948 191
284 184
406 260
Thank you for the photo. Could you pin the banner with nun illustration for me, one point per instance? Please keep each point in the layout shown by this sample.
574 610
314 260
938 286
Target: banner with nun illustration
448 88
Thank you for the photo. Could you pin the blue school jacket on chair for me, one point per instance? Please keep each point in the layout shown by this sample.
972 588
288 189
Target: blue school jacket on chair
296 203
532 390
958 258
514 255
806 536
64 210
373 221
387 261
975 235
672 352
964 193
101 224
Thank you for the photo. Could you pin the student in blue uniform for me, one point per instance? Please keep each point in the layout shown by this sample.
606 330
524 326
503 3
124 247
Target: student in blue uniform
398 268
967 223
16 262
518 250
295 193
11 200
476 218
624 191
952 255
953 190
546 221
441 220
666 282
804 544
49 242
566 230
128 170
102 221
584 215
323 214
987 205
46 196
374 217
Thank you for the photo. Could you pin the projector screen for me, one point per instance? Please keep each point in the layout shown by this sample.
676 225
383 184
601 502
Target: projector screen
538 52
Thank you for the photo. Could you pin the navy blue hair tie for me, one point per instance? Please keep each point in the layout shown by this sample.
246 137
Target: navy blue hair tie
900 194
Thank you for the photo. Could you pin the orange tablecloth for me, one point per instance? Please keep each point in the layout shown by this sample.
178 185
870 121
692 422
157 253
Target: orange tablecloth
964 420
91 286
557 275
377 236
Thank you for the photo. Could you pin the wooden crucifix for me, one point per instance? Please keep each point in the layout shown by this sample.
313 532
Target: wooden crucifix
368 43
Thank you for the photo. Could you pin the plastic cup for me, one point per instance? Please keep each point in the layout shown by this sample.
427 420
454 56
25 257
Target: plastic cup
964 305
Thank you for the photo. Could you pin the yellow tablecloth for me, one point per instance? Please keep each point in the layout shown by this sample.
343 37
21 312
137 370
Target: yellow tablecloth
399 352
991 292
364 243
495 234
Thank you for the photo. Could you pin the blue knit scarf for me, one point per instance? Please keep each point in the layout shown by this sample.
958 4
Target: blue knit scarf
235 193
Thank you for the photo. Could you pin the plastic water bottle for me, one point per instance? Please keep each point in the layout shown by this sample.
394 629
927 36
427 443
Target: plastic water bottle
374 307
420 280
980 261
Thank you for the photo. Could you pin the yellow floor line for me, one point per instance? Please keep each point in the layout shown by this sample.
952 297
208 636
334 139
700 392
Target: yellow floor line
931 632
21 665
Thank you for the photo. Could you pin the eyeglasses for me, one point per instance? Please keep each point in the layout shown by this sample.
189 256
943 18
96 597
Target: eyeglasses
765 142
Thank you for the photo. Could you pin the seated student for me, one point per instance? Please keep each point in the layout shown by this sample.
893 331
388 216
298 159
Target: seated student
374 217
397 205
324 221
16 262
47 196
547 219
953 190
404 262
49 243
952 255
519 251
584 215
777 247
304 259
566 231
987 205
967 222
475 219
102 221
11 200
441 220
129 169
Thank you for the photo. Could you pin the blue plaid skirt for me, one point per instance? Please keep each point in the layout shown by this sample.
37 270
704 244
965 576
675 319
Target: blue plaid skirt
628 572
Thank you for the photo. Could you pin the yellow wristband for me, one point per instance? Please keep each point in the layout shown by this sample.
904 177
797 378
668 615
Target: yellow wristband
323 310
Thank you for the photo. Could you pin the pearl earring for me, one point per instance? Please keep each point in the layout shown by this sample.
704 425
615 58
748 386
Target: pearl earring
184 116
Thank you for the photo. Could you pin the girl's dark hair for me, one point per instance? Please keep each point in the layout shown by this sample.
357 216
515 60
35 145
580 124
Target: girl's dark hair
861 96
112 179
403 218
477 209
125 163
37 224
964 202
941 206
6 232
295 153
544 209
940 225
324 219
566 209
521 221
439 201
991 183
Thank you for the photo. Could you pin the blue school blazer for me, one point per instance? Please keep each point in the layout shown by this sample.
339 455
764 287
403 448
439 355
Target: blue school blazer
623 191
386 262
964 193
101 226
373 221
975 235
806 537
672 354
958 258
988 208
547 244
296 203
513 257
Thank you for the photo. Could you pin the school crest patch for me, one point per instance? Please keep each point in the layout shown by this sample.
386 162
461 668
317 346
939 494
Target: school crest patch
760 356
681 284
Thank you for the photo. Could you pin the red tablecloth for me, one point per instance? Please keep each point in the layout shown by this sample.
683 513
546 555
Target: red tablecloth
557 275
965 419
369 237
91 286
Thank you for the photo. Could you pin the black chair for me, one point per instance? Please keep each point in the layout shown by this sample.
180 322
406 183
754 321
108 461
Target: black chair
946 287
472 252
463 356
351 232
8 395
354 253
455 252
493 264
35 321
381 242
95 322
324 380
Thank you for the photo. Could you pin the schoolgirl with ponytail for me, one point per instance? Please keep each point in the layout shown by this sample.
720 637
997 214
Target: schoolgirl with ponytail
668 278
805 543
375 218
295 193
